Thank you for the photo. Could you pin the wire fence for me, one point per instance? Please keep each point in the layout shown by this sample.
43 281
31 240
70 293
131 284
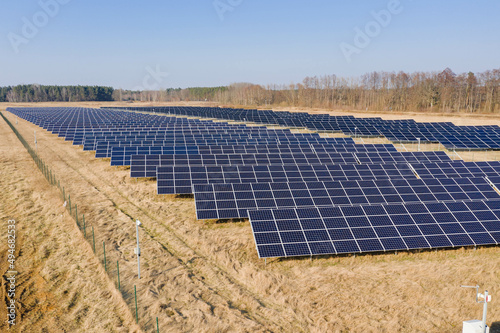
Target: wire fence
83 226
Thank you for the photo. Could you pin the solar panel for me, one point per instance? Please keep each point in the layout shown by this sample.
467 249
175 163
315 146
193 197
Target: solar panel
403 131
60 121
120 155
457 169
144 166
304 194
378 228
179 179
225 201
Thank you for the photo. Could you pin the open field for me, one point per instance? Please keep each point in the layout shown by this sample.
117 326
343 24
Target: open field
206 277
61 287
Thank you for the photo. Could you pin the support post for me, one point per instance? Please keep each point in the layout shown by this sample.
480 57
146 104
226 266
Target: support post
93 238
118 271
104 249
136 314
84 228
137 224
76 216
485 310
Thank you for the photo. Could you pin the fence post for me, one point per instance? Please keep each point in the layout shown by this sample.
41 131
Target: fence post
93 238
84 229
157 327
118 271
69 200
104 249
136 314
64 194
76 216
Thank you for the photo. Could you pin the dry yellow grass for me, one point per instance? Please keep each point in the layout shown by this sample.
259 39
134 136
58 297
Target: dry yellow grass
206 277
60 287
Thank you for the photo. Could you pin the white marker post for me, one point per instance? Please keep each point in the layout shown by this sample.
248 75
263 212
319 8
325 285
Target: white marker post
355 132
485 299
485 307
138 249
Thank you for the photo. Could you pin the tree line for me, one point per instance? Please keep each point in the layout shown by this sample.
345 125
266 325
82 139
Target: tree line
420 91
443 91
42 93
170 94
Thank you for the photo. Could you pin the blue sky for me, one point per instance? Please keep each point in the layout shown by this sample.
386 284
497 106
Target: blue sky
118 43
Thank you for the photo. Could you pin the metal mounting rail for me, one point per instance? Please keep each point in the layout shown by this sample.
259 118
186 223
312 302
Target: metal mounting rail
413 170
492 185
357 159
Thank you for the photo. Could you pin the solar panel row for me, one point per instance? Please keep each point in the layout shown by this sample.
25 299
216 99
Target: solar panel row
180 179
374 228
406 130
304 194
224 201
145 165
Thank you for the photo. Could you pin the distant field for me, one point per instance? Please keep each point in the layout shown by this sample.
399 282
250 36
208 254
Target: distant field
207 277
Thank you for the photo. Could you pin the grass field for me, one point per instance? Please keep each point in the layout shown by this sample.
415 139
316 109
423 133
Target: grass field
206 277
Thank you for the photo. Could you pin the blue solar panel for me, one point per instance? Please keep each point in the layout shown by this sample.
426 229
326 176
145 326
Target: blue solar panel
305 194
308 231
406 130
239 198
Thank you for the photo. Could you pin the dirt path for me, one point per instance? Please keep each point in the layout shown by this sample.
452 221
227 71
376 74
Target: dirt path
207 277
